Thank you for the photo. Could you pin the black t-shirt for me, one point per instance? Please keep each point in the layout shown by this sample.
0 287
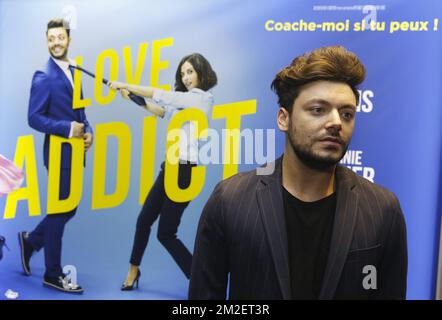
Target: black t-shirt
309 229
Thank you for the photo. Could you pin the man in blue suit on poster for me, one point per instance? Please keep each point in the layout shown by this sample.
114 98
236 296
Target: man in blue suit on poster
51 112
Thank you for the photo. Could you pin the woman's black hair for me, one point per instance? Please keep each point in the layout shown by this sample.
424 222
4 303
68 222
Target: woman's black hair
206 76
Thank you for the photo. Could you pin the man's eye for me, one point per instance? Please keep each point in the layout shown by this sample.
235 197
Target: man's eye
317 110
348 115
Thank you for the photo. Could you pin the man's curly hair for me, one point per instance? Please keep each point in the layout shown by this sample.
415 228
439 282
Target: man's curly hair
334 63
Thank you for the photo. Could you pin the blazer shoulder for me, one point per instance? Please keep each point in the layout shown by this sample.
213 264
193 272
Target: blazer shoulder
43 72
40 76
375 193
238 184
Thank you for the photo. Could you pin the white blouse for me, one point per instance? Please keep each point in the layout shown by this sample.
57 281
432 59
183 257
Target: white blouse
173 102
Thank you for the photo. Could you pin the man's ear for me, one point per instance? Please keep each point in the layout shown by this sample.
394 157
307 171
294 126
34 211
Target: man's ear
283 119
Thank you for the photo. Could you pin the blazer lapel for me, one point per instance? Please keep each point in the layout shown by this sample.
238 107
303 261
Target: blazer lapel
343 227
61 75
271 207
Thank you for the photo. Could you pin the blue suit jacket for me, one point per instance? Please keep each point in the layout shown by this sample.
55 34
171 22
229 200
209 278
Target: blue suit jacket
50 109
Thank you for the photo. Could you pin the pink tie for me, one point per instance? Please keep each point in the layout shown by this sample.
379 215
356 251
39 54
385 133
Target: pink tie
11 177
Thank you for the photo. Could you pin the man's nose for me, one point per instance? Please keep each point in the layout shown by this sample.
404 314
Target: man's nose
334 120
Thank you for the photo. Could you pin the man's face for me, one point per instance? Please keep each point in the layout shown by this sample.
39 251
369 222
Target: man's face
58 42
321 124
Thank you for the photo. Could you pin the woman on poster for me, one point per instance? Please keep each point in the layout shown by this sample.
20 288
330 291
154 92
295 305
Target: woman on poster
193 80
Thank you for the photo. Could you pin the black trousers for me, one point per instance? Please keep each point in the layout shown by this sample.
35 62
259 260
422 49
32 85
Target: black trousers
157 204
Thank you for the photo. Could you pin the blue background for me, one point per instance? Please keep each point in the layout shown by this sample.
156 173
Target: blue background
400 138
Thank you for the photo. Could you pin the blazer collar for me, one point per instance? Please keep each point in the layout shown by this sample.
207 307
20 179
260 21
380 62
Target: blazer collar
343 228
58 72
271 207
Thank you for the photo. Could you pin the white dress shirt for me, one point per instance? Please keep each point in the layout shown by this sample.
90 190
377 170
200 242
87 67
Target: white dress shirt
173 102
64 65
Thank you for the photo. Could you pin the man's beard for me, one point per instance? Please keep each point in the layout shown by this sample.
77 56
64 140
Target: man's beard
309 158
62 56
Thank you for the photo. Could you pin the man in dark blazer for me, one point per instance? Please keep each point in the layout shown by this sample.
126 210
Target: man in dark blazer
51 112
311 229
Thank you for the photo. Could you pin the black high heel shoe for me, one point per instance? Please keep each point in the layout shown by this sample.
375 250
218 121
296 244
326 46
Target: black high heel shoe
134 284
2 243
